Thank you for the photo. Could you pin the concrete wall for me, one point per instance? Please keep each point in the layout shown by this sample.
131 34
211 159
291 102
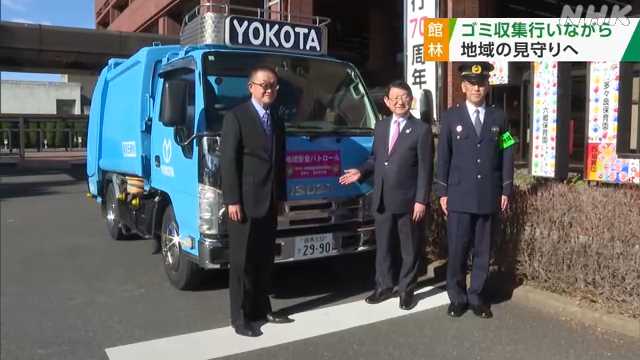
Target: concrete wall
87 85
35 97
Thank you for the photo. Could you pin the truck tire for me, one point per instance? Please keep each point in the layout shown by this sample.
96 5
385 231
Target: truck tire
183 273
112 214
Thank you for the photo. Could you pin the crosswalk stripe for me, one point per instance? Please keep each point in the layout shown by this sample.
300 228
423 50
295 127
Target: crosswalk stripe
211 344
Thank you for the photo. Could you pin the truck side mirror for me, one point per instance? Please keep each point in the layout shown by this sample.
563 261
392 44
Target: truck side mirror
173 109
426 106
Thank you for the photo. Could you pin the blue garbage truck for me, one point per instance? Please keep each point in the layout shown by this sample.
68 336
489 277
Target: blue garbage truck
154 137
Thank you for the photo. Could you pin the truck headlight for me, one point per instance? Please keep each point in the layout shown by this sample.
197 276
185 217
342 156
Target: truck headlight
211 210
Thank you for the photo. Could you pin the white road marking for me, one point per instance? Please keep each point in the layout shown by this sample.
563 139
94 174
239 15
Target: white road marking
220 342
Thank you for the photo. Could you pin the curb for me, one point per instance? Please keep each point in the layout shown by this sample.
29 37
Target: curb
557 304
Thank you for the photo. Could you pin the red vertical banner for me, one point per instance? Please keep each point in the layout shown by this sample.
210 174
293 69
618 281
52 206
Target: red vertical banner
591 169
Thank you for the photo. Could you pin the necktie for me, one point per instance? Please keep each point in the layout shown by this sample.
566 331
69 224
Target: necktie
477 123
266 125
395 131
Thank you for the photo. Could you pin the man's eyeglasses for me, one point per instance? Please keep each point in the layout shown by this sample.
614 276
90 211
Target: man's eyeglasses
404 98
267 86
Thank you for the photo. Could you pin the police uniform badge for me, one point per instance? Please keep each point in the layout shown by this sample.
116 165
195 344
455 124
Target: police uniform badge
495 131
458 131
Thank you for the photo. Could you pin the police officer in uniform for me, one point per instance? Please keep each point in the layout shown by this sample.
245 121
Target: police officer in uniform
474 179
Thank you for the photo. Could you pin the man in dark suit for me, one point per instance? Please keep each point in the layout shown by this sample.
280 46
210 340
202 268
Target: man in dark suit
252 187
474 180
402 164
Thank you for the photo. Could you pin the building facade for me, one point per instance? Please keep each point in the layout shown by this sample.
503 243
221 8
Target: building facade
365 33
372 33
40 97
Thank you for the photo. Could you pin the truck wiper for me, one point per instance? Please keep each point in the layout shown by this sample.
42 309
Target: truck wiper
353 128
305 127
343 129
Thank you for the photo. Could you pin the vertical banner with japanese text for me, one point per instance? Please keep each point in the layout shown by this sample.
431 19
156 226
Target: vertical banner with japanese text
603 109
420 74
544 119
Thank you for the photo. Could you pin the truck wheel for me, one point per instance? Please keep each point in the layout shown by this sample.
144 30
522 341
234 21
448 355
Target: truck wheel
182 272
112 214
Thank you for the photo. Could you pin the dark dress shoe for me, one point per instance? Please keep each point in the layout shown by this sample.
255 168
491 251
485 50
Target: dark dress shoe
482 311
456 309
246 330
278 319
379 295
406 300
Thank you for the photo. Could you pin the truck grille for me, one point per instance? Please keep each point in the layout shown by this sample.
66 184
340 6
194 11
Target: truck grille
313 221
318 212
317 206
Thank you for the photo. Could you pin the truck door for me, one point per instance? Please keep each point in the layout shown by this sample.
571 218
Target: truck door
174 168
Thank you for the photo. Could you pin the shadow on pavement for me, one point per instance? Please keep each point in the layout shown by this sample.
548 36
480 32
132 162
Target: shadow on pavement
214 280
348 277
500 286
331 280
350 274
37 182
340 277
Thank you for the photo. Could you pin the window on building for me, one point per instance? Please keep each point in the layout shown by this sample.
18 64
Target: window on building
65 107
629 113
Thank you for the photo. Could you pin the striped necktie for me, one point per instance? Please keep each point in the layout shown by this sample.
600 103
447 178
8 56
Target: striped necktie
266 125
477 123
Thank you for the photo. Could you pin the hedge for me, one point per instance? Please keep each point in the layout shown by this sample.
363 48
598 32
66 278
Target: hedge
579 239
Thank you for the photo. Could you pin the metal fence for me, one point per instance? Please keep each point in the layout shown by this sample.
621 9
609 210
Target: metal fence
23 133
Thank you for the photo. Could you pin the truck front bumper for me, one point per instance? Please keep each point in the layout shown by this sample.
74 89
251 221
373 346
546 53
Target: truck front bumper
214 250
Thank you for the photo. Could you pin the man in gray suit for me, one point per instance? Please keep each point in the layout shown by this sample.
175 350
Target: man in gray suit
402 164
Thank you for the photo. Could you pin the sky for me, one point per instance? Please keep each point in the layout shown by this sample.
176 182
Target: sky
72 13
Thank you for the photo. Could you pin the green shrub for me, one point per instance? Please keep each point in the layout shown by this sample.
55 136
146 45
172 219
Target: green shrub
60 135
31 136
49 133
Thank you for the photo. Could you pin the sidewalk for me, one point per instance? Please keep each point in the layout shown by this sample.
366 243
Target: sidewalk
51 159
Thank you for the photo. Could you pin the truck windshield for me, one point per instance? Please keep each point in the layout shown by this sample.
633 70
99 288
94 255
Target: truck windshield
315 95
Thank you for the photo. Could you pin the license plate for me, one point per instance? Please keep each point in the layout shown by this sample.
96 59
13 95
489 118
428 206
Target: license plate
312 246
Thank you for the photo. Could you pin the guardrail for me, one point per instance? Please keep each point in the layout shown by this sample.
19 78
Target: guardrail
50 133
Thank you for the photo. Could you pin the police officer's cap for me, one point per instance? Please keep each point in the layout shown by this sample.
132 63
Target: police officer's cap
475 71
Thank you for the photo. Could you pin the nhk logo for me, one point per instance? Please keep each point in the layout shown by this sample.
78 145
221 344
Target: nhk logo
596 17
